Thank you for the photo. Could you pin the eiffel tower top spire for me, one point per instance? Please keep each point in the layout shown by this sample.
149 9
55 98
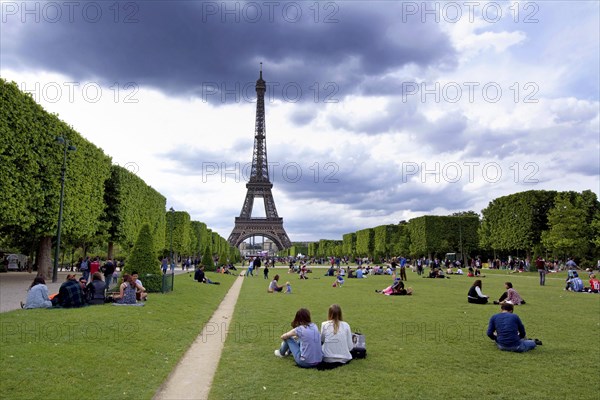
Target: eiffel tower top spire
260 168
259 186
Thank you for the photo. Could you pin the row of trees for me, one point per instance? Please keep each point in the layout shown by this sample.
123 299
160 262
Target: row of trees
539 222
428 235
104 204
530 223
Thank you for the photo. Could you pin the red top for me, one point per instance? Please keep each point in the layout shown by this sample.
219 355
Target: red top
94 267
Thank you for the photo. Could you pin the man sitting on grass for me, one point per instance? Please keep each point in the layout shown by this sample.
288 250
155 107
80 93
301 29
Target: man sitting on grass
70 294
507 330
201 277
140 293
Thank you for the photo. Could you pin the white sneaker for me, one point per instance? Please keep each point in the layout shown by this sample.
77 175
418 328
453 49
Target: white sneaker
277 353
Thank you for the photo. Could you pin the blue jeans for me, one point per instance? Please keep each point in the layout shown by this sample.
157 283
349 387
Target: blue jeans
294 347
524 345
86 274
542 277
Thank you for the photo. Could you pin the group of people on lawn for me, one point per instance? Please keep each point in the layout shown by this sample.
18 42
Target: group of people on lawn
505 328
334 342
575 284
74 293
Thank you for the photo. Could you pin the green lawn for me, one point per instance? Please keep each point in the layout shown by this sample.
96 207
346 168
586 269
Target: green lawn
431 345
103 352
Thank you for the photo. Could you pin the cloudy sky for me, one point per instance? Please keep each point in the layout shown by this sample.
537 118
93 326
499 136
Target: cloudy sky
376 112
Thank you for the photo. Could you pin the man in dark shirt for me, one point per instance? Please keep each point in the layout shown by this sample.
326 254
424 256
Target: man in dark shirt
201 277
107 270
70 294
507 330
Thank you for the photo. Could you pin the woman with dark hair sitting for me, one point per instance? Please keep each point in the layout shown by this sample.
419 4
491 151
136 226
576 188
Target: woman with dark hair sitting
127 291
511 296
475 295
96 290
273 287
37 296
303 341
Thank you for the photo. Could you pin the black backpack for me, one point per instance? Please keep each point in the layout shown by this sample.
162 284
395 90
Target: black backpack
360 346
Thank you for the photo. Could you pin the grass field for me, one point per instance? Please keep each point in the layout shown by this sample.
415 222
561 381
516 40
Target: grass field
103 352
430 345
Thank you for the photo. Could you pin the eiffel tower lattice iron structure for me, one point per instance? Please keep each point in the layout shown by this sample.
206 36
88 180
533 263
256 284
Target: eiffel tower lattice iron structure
259 185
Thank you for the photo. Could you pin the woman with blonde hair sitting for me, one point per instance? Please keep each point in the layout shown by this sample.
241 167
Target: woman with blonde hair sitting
336 337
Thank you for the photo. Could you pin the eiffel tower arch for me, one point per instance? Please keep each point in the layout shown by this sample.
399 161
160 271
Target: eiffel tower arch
259 186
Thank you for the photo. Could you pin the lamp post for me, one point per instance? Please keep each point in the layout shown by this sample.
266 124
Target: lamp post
172 211
462 255
64 142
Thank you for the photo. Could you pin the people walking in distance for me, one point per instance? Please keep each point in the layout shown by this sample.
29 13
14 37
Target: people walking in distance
540 265
249 271
84 267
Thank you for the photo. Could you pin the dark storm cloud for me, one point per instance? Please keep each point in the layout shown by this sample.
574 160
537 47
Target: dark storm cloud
446 134
188 48
348 176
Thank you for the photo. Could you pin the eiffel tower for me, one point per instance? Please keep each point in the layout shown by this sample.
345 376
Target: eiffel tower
259 185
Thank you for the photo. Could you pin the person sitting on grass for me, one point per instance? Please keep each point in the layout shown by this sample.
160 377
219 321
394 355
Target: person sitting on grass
83 283
475 295
507 330
594 284
303 341
37 296
273 287
201 277
96 290
140 291
127 291
574 284
288 288
336 337
303 272
511 296
70 294
359 273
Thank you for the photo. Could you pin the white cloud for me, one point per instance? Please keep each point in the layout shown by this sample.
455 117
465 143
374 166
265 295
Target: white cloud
396 157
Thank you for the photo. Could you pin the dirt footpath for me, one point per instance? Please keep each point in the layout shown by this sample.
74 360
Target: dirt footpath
193 376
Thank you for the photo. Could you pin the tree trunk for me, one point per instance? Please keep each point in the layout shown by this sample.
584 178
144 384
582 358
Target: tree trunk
43 258
111 249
